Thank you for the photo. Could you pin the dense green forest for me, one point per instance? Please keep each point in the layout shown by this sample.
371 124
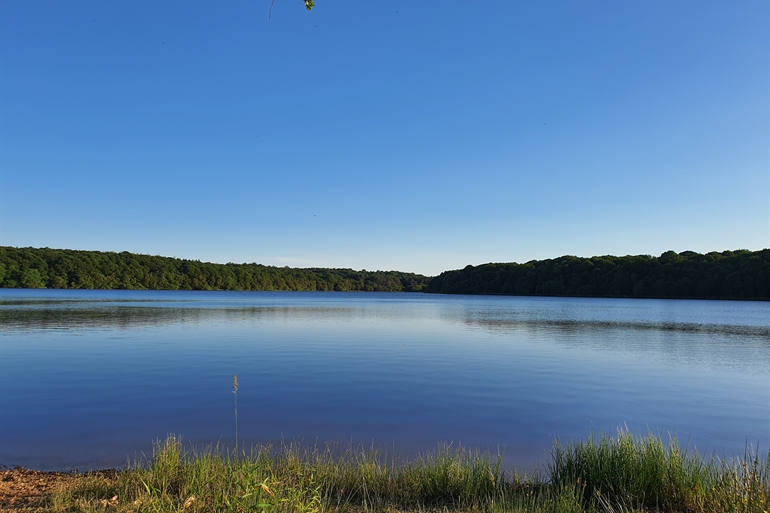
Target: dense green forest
729 275
70 269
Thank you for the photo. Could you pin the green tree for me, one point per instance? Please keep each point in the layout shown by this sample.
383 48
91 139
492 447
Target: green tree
31 279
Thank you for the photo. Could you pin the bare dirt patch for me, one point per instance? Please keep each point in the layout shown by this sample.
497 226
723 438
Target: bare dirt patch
23 490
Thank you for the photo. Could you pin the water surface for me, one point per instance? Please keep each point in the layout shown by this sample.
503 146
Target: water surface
90 378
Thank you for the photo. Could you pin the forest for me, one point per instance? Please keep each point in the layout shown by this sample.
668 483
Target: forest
71 269
738 274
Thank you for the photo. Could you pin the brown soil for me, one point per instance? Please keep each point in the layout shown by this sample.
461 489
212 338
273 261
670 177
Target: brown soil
23 490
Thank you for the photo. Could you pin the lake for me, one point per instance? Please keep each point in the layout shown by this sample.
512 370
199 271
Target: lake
89 379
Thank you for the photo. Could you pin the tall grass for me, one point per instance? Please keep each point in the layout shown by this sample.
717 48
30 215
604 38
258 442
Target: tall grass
599 474
629 472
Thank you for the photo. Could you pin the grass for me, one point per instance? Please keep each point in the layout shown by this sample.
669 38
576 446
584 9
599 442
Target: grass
600 474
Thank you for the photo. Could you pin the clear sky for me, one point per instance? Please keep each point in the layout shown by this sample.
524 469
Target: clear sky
411 135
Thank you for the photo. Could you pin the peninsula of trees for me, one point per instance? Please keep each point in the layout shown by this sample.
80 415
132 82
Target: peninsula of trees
70 269
738 274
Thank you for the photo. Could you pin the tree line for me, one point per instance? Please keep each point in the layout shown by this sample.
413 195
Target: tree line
738 274
71 269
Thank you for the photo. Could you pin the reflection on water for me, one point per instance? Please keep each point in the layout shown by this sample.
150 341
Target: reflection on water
126 317
89 377
574 326
41 314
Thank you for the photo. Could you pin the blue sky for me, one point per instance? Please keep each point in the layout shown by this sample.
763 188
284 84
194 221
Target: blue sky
409 135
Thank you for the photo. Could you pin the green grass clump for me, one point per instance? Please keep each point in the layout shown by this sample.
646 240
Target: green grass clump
184 480
627 472
599 474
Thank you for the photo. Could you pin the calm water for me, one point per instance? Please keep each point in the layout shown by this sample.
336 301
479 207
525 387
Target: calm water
90 378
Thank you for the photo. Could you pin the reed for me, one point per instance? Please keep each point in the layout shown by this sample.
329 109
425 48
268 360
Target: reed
235 400
599 475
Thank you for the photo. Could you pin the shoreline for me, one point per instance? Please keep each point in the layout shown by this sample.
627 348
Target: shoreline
599 474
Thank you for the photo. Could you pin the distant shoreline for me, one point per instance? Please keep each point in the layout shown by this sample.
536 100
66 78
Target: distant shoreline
729 275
